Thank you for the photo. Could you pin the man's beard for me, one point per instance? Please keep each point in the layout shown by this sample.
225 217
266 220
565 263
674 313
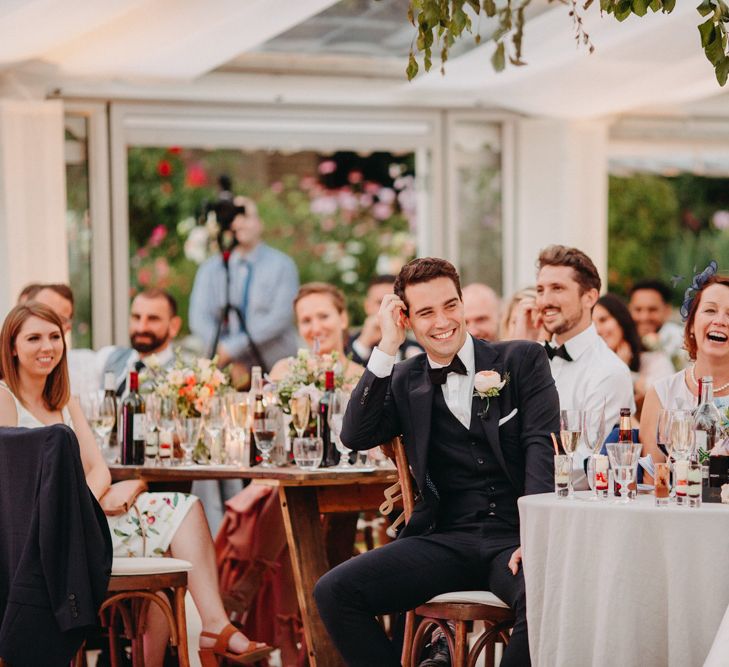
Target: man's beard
148 343
561 327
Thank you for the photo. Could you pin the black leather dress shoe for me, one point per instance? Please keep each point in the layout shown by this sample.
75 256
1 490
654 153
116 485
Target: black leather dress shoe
440 655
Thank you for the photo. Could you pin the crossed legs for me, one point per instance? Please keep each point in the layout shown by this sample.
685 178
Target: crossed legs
192 542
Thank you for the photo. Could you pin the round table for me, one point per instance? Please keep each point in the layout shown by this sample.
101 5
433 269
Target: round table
611 584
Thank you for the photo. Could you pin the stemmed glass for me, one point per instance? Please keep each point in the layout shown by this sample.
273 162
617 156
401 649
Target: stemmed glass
237 404
681 435
570 430
300 413
188 431
167 417
214 425
335 417
152 409
623 459
100 410
265 430
593 428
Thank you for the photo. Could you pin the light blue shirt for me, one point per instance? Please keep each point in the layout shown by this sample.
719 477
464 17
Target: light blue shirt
274 281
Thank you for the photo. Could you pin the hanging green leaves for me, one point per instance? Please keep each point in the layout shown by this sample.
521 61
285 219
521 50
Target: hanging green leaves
443 22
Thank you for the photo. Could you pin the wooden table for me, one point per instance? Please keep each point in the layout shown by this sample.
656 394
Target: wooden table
304 496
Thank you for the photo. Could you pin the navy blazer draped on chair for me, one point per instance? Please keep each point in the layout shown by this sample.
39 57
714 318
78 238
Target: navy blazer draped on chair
55 548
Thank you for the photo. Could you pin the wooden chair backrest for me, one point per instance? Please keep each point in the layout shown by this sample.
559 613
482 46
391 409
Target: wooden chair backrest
395 450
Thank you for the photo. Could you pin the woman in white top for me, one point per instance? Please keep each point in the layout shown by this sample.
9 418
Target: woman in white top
706 338
35 391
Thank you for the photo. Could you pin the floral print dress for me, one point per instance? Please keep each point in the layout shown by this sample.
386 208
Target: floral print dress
148 528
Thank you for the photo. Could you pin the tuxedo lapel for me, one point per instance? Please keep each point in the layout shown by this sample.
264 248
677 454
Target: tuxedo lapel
420 401
487 359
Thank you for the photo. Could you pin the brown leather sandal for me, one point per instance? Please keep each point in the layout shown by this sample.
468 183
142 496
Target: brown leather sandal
209 656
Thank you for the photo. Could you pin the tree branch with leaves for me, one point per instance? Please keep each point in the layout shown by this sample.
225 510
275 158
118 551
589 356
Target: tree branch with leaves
440 23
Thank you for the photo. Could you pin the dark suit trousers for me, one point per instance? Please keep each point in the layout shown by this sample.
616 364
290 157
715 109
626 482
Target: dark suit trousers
408 572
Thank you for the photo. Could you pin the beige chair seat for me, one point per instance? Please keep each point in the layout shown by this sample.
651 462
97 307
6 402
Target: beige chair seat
127 567
469 597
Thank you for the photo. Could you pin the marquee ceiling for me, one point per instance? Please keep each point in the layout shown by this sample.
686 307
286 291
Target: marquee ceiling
352 51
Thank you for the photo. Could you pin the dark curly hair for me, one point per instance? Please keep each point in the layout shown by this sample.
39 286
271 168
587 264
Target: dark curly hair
423 270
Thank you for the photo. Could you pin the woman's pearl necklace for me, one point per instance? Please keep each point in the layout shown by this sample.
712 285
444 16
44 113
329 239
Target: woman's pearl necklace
696 382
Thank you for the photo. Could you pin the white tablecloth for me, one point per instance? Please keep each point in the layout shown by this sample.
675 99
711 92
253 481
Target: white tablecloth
623 585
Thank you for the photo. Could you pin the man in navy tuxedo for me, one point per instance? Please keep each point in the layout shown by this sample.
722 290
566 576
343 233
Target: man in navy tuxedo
471 457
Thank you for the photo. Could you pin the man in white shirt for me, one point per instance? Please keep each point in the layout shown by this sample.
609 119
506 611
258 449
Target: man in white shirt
650 307
588 374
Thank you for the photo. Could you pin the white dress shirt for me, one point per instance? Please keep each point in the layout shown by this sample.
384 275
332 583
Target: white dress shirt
457 389
595 377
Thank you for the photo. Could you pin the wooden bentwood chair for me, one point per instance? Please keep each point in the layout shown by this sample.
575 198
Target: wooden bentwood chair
459 609
135 584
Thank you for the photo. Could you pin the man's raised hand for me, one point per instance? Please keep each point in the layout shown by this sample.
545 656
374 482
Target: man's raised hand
391 318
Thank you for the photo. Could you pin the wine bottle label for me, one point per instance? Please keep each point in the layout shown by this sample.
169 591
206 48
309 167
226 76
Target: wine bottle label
700 439
138 426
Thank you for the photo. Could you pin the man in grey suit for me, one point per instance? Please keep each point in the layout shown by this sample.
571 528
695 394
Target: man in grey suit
259 283
153 325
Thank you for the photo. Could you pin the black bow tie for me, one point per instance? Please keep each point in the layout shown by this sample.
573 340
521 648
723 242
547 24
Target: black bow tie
560 351
439 375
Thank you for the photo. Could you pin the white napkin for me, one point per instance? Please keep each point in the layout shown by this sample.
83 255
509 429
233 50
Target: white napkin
646 462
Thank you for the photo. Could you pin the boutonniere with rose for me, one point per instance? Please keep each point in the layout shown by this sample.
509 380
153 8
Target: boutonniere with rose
488 385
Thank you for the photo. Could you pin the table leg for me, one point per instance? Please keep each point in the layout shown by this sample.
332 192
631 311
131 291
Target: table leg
309 559
340 532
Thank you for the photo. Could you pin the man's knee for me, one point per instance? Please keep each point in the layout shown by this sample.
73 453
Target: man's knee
332 591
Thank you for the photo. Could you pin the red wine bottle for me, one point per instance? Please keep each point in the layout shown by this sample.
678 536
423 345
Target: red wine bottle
133 428
331 453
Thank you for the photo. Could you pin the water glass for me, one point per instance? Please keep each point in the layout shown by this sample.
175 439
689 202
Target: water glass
562 475
188 432
623 460
662 480
308 452
598 466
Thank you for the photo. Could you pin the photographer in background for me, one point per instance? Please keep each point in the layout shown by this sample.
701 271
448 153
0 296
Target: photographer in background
241 299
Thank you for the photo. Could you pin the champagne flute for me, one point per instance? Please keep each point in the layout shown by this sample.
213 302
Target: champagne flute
214 425
237 403
300 413
265 430
570 430
682 434
593 428
167 417
335 417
